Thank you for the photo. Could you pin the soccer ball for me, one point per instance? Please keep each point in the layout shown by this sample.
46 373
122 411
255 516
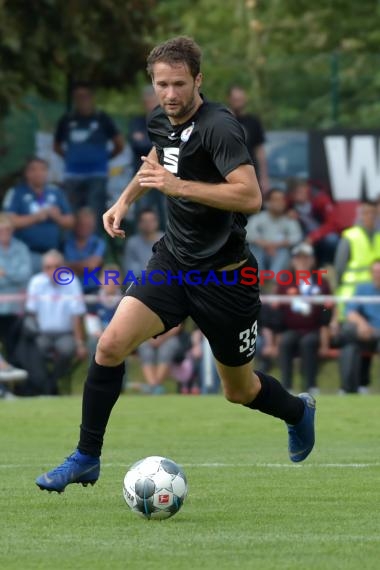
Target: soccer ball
155 487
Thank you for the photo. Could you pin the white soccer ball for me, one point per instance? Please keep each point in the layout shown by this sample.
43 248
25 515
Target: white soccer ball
155 487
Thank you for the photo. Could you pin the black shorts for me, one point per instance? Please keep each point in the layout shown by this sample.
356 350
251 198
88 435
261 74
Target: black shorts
226 314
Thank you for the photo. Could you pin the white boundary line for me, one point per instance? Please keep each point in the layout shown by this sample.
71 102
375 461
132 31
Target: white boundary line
225 465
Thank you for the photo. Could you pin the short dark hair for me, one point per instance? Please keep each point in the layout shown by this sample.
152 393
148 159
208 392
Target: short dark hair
294 182
146 211
181 49
32 159
274 190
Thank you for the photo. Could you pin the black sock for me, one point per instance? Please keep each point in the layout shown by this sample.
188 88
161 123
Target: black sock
274 400
101 391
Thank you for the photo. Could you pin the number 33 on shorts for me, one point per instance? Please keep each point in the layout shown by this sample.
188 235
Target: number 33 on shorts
248 338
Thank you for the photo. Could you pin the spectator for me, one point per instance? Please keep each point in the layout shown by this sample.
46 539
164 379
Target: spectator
83 137
271 233
358 248
255 138
378 213
315 211
103 311
303 326
266 340
39 211
186 364
138 136
141 145
138 249
156 356
55 321
9 376
361 332
15 270
84 249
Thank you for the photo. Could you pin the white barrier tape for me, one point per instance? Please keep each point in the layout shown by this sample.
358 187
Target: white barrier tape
283 299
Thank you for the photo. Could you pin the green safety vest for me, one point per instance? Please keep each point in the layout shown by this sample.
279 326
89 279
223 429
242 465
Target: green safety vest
363 252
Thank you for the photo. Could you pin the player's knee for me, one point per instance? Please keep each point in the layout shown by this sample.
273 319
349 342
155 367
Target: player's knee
235 396
110 351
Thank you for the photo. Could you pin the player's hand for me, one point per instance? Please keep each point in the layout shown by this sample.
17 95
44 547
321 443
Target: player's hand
112 220
153 175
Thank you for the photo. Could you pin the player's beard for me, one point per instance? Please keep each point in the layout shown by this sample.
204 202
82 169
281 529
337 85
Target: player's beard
182 110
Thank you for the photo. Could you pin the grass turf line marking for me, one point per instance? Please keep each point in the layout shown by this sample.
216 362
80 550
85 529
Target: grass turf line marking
227 465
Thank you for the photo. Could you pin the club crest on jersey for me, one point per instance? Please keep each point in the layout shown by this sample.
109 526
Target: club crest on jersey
185 135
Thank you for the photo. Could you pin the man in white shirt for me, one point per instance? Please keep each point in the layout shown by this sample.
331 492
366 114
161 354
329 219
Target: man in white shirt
271 233
55 310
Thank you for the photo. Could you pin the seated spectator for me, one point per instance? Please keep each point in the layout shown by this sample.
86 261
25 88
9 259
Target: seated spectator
39 211
15 271
266 340
9 376
186 365
156 357
82 138
361 332
84 249
303 326
315 211
138 249
358 248
104 309
271 233
54 325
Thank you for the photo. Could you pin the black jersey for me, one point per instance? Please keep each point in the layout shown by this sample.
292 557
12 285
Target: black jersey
206 148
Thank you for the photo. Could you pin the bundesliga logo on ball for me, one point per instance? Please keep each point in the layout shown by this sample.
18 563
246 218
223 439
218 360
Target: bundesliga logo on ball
155 488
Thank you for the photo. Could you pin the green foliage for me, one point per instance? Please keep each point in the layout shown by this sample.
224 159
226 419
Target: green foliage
304 64
46 44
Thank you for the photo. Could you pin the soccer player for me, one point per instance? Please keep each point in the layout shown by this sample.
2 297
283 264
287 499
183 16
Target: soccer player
199 160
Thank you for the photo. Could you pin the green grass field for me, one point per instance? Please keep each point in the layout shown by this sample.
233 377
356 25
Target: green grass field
248 506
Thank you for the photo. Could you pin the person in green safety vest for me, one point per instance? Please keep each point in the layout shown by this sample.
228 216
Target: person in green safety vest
358 248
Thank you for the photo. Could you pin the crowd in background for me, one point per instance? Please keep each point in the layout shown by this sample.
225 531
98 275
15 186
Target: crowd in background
45 226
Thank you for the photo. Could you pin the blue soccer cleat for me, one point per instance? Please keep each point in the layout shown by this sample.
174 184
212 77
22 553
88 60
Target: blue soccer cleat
302 435
78 468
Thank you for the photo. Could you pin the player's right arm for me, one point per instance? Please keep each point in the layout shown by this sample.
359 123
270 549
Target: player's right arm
114 216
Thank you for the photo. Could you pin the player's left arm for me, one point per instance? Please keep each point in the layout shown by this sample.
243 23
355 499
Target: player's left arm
239 193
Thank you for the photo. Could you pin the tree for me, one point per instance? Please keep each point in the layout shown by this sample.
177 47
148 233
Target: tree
48 43
304 64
